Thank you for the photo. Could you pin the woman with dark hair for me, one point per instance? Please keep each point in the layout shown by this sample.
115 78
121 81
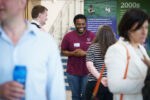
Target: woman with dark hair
133 30
95 60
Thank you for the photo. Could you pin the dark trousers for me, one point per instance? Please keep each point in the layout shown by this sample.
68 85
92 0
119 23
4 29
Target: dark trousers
146 88
103 92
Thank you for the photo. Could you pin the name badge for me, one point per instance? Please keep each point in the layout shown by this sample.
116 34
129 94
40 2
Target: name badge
76 44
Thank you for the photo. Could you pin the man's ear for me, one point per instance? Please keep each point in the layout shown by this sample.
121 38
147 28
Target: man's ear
39 15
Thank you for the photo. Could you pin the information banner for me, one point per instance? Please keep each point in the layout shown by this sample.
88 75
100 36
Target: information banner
101 12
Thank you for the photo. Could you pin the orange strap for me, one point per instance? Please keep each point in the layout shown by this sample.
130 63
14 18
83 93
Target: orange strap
101 74
98 82
126 70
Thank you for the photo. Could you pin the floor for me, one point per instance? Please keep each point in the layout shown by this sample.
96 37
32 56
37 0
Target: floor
68 93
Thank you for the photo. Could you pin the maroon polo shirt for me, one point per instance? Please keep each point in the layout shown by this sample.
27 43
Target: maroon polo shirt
72 41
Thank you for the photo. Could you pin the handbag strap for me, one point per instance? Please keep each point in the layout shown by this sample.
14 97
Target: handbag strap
101 74
126 70
98 82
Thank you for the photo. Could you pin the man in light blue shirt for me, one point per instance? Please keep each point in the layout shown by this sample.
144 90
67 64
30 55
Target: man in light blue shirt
23 44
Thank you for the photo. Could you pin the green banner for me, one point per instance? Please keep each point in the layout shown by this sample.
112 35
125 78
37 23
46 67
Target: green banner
123 5
101 12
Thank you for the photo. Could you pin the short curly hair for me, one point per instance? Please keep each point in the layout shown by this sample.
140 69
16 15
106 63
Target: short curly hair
79 16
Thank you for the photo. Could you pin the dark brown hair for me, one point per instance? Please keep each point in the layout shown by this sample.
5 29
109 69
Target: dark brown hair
129 19
38 9
105 37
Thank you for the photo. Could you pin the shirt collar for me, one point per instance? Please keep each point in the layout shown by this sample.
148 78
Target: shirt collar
34 21
1 30
30 29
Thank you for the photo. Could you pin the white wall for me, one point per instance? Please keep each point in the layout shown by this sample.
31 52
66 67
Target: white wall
53 11
60 16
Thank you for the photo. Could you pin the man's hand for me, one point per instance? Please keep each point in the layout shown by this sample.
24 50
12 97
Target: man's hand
11 90
79 52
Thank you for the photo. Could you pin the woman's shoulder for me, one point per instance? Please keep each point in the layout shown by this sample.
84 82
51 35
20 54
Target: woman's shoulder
117 46
94 48
94 45
116 49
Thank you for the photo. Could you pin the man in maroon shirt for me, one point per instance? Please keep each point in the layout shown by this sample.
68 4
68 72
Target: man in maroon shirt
74 45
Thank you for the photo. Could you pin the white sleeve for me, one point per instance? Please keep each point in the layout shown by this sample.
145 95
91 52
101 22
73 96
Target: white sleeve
55 83
116 60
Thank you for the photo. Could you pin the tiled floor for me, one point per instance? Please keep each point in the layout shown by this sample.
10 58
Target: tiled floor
68 93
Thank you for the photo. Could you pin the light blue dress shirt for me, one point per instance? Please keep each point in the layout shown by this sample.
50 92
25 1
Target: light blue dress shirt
38 51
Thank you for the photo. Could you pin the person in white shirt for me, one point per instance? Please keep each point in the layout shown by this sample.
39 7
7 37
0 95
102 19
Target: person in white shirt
39 16
133 30
107 9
